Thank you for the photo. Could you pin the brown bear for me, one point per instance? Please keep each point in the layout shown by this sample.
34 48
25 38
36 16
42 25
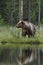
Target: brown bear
27 28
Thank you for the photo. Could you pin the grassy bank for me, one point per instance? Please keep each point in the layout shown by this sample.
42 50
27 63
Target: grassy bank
12 34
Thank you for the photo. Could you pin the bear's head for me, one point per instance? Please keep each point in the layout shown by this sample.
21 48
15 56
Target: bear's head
20 24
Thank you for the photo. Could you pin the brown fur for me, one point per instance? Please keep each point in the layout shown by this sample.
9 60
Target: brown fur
27 28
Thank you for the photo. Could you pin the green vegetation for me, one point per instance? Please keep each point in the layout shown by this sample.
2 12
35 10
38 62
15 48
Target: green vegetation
9 11
12 34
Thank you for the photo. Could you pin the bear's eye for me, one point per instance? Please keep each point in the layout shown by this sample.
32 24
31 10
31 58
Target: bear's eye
22 22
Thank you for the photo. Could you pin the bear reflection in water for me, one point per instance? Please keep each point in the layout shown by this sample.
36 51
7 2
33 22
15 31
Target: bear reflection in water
28 56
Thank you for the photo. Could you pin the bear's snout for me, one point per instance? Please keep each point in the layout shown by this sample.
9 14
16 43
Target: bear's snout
17 26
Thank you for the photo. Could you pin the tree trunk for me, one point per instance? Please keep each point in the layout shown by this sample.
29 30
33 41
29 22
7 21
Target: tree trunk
29 10
12 11
39 15
20 10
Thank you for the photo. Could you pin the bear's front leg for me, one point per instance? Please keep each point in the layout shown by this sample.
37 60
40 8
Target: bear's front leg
24 33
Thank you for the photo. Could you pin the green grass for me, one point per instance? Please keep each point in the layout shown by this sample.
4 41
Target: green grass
12 34
8 64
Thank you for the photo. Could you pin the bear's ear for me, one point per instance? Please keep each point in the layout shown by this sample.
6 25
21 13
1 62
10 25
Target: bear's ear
22 22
